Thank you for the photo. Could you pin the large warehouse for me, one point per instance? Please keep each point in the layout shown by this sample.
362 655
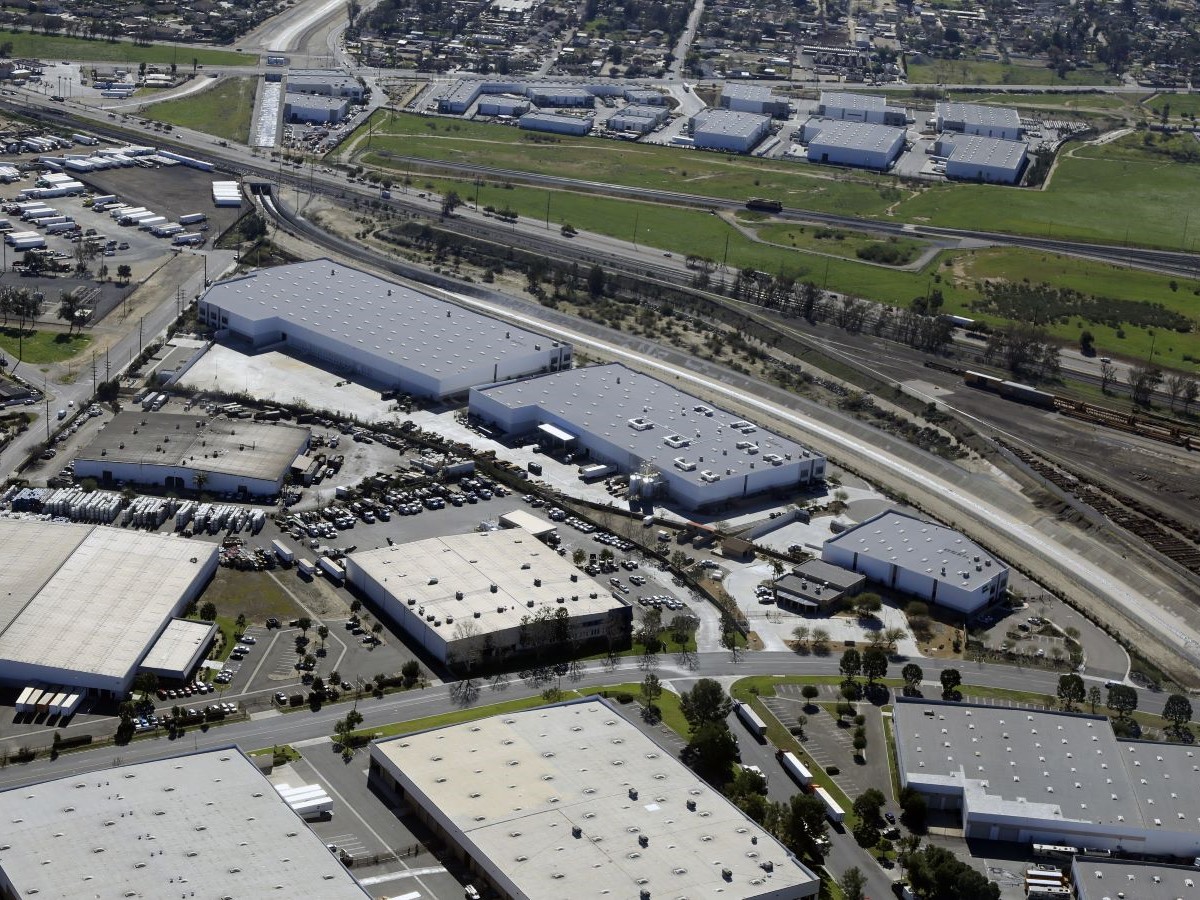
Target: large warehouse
471 598
81 606
858 144
1104 878
703 456
974 158
202 825
315 108
1020 775
326 82
925 560
574 801
723 129
854 107
185 452
1000 122
760 99
556 123
394 336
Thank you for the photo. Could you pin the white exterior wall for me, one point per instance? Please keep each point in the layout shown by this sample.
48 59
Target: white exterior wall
918 584
139 473
975 172
715 140
858 157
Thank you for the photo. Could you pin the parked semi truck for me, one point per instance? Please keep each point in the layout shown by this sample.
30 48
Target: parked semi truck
332 569
284 552
750 719
792 765
833 811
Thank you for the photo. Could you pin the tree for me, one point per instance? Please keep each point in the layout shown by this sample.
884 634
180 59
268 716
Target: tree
240 624
1122 700
596 279
355 606
124 273
1178 711
304 623
1071 691
450 202
874 664
860 741
1087 343
1093 698
1175 384
914 809
651 690
579 557
820 640
322 633
936 874
913 676
1108 374
208 612
853 884
867 605
800 634
1142 382
1191 390
851 664
705 703
712 751
253 227
69 304
892 637
951 679
810 692
682 628
869 804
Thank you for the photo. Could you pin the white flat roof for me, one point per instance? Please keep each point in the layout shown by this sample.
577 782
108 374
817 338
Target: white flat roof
852 100
433 572
380 320
208 825
857 135
515 786
976 150
980 114
728 121
97 609
177 647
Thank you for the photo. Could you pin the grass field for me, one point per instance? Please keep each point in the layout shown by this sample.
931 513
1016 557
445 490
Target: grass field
846 244
964 71
41 347
1042 100
56 47
1180 105
636 165
223 110
255 594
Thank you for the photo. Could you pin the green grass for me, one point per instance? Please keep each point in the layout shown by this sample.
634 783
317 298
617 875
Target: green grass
223 110
281 753
668 704
42 346
1099 102
962 71
467 714
25 44
1181 104
837 242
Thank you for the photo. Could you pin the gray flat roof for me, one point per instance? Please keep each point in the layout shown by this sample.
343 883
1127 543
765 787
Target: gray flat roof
857 135
978 114
819 570
307 79
975 150
728 121
1062 766
207 823
556 118
852 100
939 552
173 355
1098 878
435 571
95 596
641 414
178 645
514 786
315 101
743 91
379 319
226 446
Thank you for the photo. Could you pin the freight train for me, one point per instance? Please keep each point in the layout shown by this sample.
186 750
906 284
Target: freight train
1013 390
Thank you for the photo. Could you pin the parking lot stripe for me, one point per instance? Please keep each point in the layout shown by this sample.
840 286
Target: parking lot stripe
407 873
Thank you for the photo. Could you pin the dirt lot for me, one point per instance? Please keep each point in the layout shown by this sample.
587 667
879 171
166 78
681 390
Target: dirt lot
171 192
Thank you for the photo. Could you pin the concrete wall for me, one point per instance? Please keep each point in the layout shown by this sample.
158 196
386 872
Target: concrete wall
139 473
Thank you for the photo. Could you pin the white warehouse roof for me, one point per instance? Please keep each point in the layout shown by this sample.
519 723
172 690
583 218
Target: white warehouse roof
573 800
90 599
856 135
204 825
176 649
977 114
975 150
852 100
726 121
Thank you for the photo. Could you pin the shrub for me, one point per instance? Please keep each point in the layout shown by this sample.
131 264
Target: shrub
623 697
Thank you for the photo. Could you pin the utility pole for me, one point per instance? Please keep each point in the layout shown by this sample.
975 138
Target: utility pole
548 210
93 373
141 322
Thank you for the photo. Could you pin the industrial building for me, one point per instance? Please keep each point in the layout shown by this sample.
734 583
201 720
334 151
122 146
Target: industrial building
1104 878
82 606
559 96
201 825
974 158
701 456
186 452
503 106
556 123
641 119
816 586
644 97
572 800
922 559
393 336
858 144
1000 122
470 599
854 107
326 82
760 99
724 129
174 358
1023 776
315 109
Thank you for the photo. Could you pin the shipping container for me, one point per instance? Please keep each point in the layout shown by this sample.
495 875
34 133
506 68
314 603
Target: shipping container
192 218
835 813
332 569
284 552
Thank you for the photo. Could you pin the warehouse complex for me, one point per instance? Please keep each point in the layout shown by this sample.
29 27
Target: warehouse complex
860 144
1102 878
83 606
1000 122
925 560
974 158
701 456
315 108
393 336
723 129
152 830
1049 777
488 596
186 452
556 123
558 801
854 107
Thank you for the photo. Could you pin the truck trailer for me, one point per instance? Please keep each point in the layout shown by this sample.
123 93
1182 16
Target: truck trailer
284 552
792 765
833 812
332 569
750 719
